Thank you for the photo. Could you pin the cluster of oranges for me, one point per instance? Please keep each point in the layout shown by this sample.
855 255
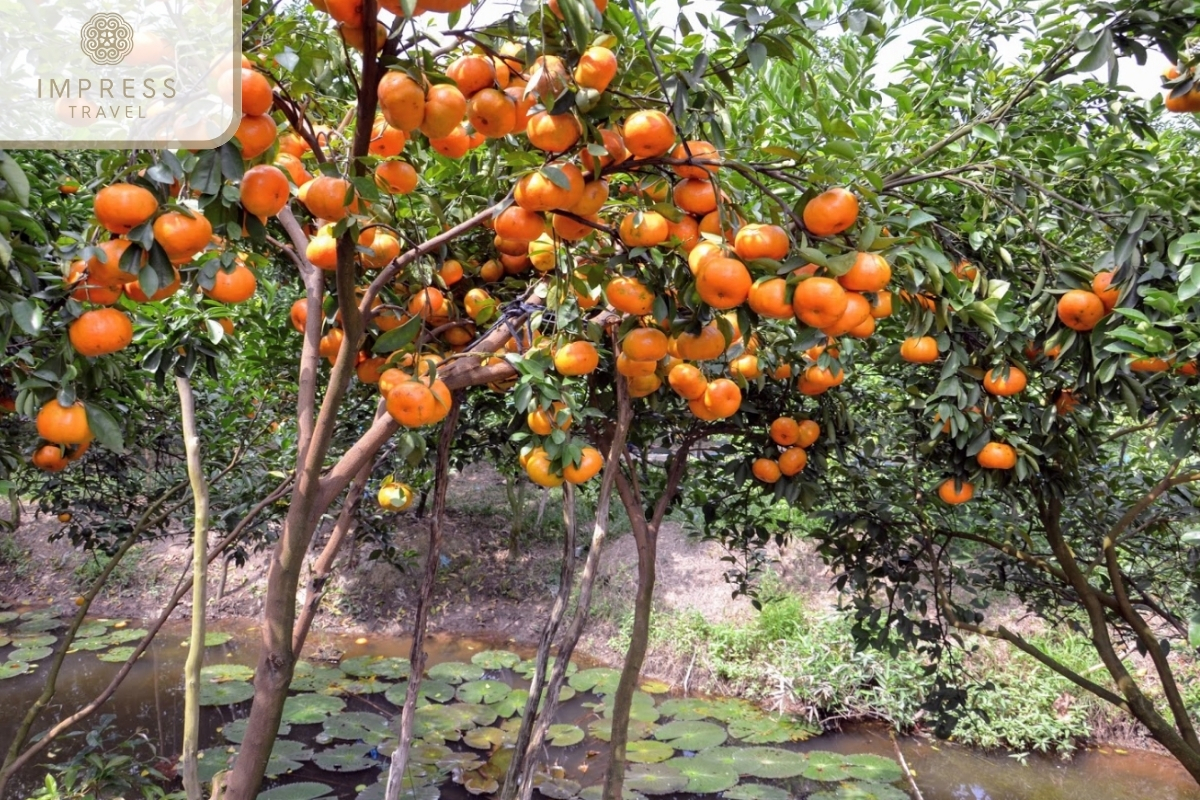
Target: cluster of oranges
793 438
1187 102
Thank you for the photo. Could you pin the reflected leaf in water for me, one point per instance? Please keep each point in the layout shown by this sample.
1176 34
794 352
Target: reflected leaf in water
496 659
305 790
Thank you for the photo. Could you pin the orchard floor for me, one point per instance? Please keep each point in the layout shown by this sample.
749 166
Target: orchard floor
799 659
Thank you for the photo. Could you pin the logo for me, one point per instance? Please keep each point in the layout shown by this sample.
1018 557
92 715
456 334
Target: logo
106 39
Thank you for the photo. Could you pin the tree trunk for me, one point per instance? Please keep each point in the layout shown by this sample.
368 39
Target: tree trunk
583 604
195 656
424 601
549 632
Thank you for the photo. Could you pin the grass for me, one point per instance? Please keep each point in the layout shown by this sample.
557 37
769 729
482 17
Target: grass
13 556
800 659
125 575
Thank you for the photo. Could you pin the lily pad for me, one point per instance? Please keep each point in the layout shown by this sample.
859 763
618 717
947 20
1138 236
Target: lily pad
95 643
30 653
525 668
211 639
126 635
691 735
310 678
305 709
4 640
226 693
479 782
648 752
757 791
686 708
771 730
600 680
8 616
408 791
861 791
236 731
654 687
33 640
50 612
496 659
306 790
221 673
434 691
483 691
291 750
11 669
427 752
346 685
346 758
354 726
514 703
117 655
825 766
869 767
596 792
488 738
564 735
556 788
771 763
41 625
212 760
655 779
447 722
642 708
455 672
387 667
638 729
89 630
705 776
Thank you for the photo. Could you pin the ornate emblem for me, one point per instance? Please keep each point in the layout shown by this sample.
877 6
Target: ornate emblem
106 39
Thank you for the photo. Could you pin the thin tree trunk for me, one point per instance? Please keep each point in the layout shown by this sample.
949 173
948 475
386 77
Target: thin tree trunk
549 632
424 602
645 534
195 656
584 603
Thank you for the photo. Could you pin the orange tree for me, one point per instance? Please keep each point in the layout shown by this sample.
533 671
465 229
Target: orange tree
708 228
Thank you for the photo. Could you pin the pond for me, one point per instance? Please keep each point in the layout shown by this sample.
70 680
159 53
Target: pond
337 733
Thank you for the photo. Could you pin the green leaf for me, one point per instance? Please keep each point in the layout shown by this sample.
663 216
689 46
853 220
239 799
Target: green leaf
27 314
105 428
1194 629
15 177
986 132
1098 55
397 338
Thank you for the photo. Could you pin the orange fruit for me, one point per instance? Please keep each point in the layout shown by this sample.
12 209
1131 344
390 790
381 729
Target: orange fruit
870 273
819 302
402 101
298 314
492 113
649 134
543 421
412 404
576 358
808 433
88 288
548 78
766 470
919 350
596 68
722 398
793 461
830 212
63 424
700 412
49 458
704 157
590 464
476 301
723 283
997 455
1108 294
264 190
430 304
1149 365
121 207
523 105
133 290
537 191
237 286
517 223
396 177
995 382
881 305
687 381
491 271
256 133
451 272
386 141
785 431
701 253
553 133
294 168
629 295
706 345
635 368
645 344
644 229
1066 402
857 312
711 224
761 241
328 198
695 196
321 252
100 331
614 148
686 231
955 495
591 199
383 247
644 385
472 73
182 236
572 230
454 144
445 108
1080 309
538 467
